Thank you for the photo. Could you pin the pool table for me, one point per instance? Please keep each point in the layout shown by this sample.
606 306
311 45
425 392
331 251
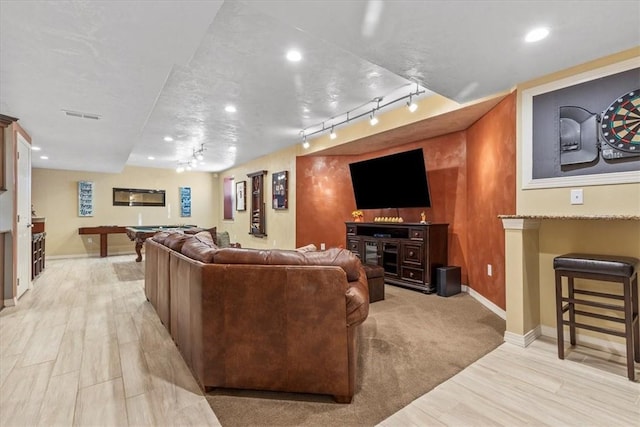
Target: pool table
141 233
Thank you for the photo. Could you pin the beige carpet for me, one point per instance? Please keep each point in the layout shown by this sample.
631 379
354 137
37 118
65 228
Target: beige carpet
410 343
129 270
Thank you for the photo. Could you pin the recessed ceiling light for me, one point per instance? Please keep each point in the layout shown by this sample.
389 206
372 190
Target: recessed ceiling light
294 55
44 157
151 158
34 148
230 109
232 149
536 35
168 138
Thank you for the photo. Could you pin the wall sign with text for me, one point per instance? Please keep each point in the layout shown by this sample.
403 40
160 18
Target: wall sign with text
85 198
185 201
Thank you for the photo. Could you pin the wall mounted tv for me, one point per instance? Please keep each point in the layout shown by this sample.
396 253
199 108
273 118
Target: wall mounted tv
394 181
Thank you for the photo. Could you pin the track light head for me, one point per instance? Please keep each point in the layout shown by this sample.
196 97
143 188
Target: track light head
373 120
333 135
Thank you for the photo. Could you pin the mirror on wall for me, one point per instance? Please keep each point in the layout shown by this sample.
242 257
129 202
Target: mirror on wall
138 197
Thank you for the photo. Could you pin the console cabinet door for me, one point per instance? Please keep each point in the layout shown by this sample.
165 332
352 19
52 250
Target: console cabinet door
371 252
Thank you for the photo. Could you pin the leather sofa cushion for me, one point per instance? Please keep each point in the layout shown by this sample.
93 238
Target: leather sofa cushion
334 256
307 248
199 248
176 240
205 236
161 236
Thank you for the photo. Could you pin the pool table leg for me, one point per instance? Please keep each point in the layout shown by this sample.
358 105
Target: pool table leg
139 250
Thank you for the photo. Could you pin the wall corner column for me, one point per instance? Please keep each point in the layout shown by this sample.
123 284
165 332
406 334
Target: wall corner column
522 280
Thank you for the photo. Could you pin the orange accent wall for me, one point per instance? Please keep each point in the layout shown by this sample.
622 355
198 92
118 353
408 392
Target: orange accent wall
471 178
491 190
325 198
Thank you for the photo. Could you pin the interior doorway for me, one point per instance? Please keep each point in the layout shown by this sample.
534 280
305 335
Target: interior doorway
23 224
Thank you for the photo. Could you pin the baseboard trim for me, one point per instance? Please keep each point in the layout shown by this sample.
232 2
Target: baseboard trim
10 302
616 348
522 340
490 305
76 256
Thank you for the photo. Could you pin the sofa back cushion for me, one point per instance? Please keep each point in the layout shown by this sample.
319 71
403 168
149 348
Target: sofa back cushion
161 236
200 248
334 256
176 240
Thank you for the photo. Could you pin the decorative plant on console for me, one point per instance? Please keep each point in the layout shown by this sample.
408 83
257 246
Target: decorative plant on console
357 216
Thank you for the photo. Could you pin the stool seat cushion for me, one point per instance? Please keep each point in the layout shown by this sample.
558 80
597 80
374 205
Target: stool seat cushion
600 264
373 271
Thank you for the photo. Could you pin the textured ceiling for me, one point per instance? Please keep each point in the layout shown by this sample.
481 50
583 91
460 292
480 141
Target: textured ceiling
168 68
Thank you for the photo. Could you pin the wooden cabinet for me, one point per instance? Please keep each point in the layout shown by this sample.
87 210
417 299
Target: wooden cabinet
409 253
38 247
257 226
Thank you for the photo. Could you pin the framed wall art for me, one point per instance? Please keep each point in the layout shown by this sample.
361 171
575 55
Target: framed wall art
280 190
85 198
185 201
241 196
583 129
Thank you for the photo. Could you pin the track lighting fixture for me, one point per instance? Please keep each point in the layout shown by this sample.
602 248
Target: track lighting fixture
348 116
373 120
305 143
192 162
412 106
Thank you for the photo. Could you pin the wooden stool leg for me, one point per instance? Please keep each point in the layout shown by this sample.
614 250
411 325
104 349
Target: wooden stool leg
572 313
559 316
636 318
628 328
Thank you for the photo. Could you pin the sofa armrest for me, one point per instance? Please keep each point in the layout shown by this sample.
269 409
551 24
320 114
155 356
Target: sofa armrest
357 296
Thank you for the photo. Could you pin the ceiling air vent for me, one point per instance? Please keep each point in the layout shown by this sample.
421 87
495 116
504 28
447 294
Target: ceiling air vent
82 115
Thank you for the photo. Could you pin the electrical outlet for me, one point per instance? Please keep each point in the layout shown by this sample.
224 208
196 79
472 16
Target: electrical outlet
576 196
489 270
274 243
89 239
322 246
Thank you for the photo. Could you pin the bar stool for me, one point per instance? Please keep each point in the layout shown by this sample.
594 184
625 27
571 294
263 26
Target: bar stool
605 268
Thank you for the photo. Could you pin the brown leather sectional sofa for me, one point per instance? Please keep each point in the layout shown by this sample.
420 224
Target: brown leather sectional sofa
257 319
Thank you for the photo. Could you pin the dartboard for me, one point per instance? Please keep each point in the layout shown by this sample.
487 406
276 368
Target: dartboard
620 125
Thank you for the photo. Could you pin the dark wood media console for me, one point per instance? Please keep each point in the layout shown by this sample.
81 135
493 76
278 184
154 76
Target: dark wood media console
410 253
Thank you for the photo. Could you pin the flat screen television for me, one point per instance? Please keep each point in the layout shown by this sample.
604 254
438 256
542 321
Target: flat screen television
394 181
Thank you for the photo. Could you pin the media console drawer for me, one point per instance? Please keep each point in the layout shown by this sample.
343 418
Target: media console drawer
416 233
412 253
415 274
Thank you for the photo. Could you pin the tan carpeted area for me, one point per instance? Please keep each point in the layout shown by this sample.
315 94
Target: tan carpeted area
129 270
409 344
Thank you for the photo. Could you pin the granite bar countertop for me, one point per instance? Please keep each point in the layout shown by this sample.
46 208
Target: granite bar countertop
597 217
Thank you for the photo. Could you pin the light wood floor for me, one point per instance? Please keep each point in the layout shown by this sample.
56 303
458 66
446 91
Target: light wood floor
83 348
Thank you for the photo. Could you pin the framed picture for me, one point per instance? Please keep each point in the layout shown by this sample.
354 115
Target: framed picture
583 129
241 196
185 201
280 190
85 198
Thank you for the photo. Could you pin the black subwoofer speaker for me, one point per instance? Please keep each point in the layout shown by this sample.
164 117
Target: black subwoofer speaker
449 281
